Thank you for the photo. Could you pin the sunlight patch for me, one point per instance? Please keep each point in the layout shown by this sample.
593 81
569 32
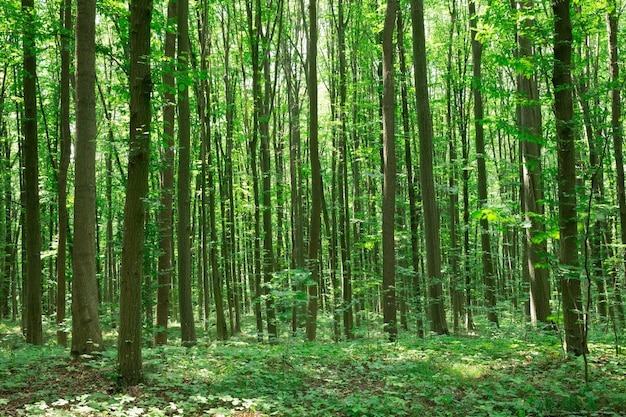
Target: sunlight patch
469 370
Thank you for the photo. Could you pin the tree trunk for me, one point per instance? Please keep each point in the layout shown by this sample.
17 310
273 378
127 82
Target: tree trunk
568 218
229 232
530 126
618 137
316 177
342 179
485 240
66 143
130 340
187 325
31 181
431 212
411 183
295 181
389 176
266 189
86 332
165 221
209 229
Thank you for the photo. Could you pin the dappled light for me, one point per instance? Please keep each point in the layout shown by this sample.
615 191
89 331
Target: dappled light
439 376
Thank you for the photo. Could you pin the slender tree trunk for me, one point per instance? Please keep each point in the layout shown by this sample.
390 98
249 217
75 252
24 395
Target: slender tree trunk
165 220
230 259
66 143
389 176
33 279
187 325
530 131
86 332
568 218
600 234
295 181
485 240
266 190
456 285
5 281
411 183
469 321
431 212
129 339
209 229
342 178
618 138
316 177
254 33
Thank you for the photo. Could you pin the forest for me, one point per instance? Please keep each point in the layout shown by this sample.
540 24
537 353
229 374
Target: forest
320 207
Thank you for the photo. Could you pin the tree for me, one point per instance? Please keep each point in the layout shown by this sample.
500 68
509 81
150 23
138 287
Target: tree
166 227
431 213
411 180
342 176
485 239
33 280
389 175
187 326
64 162
530 125
86 332
129 339
566 149
618 138
316 177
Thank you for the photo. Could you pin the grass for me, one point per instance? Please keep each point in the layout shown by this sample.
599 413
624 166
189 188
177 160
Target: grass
504 374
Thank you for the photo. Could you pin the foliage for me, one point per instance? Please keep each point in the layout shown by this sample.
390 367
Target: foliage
502 374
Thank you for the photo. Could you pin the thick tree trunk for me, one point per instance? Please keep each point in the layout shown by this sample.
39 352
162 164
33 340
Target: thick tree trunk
86 332
32 229
389 176
568 218
129 340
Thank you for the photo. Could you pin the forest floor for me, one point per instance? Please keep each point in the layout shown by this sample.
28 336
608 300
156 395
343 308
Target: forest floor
507 372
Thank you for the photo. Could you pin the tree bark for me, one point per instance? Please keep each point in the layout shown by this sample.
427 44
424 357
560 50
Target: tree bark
86 332
129 339
431 212
187 325
33 280
316 177
531 192
568 218
485 240
389 176
618 138
166 227
411 182
64 161
342 178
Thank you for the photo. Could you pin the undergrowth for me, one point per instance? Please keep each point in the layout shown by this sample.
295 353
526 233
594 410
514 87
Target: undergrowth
497 375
